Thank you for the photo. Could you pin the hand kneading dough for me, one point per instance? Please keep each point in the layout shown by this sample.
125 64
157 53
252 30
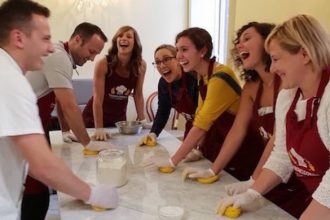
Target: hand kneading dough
150 143
231 212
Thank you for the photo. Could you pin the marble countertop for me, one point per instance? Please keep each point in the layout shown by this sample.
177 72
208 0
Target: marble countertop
147 190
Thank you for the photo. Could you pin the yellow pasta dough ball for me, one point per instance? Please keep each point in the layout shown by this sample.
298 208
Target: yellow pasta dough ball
98 209
90 152
150 143
166 169
208 180
232 212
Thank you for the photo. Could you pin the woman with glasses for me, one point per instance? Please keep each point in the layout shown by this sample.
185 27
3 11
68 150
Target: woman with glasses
300 52
219 97
116 76
176 89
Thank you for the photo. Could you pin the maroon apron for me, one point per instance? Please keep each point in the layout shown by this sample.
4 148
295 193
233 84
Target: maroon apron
307 152
46 105
116 93
287 196
265 122
183 103
246 159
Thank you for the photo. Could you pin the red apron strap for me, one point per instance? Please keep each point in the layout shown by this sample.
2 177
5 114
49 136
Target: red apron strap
256 103
201 86
277 83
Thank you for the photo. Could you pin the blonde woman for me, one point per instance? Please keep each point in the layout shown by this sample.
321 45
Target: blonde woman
300 52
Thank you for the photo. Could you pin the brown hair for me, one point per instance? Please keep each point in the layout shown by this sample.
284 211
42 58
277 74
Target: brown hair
263 29
169 47
18 15
136 58
200 38
86 30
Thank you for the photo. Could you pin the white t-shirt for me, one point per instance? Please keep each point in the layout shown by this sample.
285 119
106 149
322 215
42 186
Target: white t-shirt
18 116
56 72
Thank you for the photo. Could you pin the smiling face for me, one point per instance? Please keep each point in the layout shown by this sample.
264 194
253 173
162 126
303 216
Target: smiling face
84 50
167 65
188 56
290 67
37 43
250 49
125 42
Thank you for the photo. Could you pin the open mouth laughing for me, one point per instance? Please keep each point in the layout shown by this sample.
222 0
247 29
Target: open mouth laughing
166 73
123 44
184 63
244 55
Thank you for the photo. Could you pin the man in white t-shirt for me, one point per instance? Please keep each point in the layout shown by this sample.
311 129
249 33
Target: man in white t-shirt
24 40
54 82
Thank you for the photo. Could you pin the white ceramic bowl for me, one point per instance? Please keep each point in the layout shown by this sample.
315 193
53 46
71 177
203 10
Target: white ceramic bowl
129 127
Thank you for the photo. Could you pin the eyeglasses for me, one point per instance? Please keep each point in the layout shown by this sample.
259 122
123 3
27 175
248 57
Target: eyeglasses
165 61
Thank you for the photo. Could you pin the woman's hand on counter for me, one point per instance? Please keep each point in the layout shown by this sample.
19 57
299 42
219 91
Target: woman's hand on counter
195 172
155 161
149 140
239 200
68 137
101 134
239 187
193 155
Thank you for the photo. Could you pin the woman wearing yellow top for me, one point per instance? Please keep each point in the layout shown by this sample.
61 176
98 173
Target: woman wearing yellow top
218 102
257 106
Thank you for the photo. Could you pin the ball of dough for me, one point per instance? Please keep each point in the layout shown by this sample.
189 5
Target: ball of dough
208 180
90 152
166 169
232 212
98 209
150 143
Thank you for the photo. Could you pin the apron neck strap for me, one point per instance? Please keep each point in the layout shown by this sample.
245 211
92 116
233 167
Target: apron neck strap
209 71
313 103
66 47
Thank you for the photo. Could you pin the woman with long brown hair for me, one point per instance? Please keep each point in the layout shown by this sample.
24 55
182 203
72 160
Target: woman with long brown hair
116 76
